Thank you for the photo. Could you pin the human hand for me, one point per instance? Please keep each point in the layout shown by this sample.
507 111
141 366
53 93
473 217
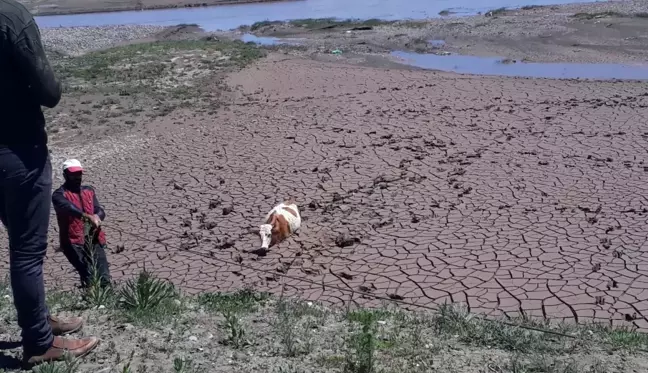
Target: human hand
96 220
93 219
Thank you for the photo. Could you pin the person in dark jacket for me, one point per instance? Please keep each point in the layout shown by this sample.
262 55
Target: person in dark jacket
27 82
79 216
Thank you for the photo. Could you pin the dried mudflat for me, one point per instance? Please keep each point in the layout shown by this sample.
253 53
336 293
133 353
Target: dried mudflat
509 195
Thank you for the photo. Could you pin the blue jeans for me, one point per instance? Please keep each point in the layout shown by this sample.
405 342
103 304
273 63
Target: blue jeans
25 198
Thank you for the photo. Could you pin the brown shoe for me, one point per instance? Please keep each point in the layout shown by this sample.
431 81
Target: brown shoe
65 326
76 348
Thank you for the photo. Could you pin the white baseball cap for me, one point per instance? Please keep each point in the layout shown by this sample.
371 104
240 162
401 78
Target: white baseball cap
72 165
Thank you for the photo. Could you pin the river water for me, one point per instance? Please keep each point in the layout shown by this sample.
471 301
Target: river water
227 17
497 66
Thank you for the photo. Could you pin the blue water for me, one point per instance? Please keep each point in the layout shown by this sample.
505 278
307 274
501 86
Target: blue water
494 66
228 17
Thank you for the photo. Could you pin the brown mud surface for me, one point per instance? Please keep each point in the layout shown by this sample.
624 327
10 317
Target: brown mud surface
59 7
496 192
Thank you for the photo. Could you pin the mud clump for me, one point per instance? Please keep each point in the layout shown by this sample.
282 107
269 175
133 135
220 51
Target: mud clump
345 240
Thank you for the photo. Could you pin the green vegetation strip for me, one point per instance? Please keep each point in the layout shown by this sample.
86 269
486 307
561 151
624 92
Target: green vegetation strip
367 340
329 23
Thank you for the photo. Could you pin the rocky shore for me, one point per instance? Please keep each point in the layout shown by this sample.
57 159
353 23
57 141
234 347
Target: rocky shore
78 40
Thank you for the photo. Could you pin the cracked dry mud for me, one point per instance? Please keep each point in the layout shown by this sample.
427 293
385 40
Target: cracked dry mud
514 196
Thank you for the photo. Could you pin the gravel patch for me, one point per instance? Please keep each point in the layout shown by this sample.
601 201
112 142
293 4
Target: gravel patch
79 40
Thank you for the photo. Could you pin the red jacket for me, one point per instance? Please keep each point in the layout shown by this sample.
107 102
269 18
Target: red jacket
69 207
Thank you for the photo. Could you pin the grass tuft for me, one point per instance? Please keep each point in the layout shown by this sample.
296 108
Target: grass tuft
182 365
361 345
148 299
475 330
236 333
96 295
69 365
145 293
294 324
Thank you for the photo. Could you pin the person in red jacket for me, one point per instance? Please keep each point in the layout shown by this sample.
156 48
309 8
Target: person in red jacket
79 217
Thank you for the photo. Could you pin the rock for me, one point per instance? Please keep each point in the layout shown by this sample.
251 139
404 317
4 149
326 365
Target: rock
126 327
193 338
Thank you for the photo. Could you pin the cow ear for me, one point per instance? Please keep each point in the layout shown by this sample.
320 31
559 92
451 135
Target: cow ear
273 221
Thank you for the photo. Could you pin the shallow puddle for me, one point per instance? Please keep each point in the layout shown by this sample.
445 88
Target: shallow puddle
498 66
267 40
437 43
226 17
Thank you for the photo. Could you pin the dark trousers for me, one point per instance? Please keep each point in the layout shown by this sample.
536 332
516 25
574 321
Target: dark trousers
89 261
25 197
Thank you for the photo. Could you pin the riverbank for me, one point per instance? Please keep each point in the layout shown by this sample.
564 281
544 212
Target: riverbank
611 32
63 7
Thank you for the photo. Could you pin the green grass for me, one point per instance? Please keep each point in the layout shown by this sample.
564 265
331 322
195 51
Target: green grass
241 301
331 23
137 68
608 14
361 340
258 25
131 83
70 365
498 11
323 23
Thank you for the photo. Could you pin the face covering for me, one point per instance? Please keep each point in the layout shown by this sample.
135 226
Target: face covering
73 183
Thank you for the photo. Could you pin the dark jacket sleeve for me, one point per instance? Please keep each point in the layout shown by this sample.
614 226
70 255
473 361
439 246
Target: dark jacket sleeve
30 57
98 209
63 207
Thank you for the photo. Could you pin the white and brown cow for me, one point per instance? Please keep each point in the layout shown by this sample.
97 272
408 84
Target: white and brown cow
282 221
